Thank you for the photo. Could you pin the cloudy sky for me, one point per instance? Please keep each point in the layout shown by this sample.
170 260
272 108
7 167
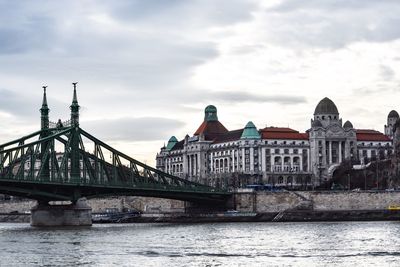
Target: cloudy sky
147 69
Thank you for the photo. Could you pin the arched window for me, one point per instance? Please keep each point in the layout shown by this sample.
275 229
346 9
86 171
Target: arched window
280 180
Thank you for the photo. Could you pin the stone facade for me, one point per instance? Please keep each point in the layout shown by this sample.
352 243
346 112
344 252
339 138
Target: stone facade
273 155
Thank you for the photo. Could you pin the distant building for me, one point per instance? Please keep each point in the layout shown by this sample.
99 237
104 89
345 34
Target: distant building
275 155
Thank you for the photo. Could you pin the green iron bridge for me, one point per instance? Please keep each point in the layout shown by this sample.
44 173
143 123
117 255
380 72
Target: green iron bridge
62 162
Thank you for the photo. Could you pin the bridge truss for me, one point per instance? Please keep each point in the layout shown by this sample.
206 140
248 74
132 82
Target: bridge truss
67 163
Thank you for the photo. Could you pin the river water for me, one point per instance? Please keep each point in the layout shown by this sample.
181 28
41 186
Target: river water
213 244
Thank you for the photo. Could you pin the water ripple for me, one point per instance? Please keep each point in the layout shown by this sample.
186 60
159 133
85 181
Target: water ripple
224 244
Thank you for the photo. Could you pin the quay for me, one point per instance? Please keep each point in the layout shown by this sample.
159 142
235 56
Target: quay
281 206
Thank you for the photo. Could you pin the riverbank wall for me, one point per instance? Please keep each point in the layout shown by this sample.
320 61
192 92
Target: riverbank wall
262 202
263 206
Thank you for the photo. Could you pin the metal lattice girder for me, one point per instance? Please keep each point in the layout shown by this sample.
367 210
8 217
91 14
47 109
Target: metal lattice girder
41 169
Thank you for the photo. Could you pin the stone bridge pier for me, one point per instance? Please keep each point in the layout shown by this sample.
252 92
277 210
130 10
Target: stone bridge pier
75 214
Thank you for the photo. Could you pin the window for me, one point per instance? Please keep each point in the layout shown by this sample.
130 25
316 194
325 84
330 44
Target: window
277 151
286 151
295 151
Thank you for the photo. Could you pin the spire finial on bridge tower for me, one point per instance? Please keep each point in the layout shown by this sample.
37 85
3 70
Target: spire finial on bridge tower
44 102
75 107
75 98
44 111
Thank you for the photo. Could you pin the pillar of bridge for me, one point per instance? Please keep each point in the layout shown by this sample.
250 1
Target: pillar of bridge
76 214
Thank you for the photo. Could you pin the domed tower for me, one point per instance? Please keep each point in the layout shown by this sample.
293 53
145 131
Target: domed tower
326 112
171 143
210 113
250 132
391 120
211 127
330 142
348 125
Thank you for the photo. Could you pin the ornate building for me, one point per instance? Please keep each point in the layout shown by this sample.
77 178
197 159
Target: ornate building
274 155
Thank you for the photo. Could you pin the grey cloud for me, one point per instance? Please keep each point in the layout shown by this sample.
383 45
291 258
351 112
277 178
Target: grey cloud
332 24
387 73
182 14
45 46
25 26
132 129
240 97
329 5
26 106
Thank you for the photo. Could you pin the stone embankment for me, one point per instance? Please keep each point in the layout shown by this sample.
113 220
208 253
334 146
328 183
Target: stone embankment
251 206
261 202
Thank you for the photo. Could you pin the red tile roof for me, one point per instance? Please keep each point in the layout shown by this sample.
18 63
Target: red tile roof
371 135
211 129
282 133
279 129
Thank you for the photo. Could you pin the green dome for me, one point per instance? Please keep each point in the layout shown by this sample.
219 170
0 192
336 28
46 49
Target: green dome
171 142
250 132
210 113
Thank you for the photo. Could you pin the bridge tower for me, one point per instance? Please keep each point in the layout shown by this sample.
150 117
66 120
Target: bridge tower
44 149
78 213
75 170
